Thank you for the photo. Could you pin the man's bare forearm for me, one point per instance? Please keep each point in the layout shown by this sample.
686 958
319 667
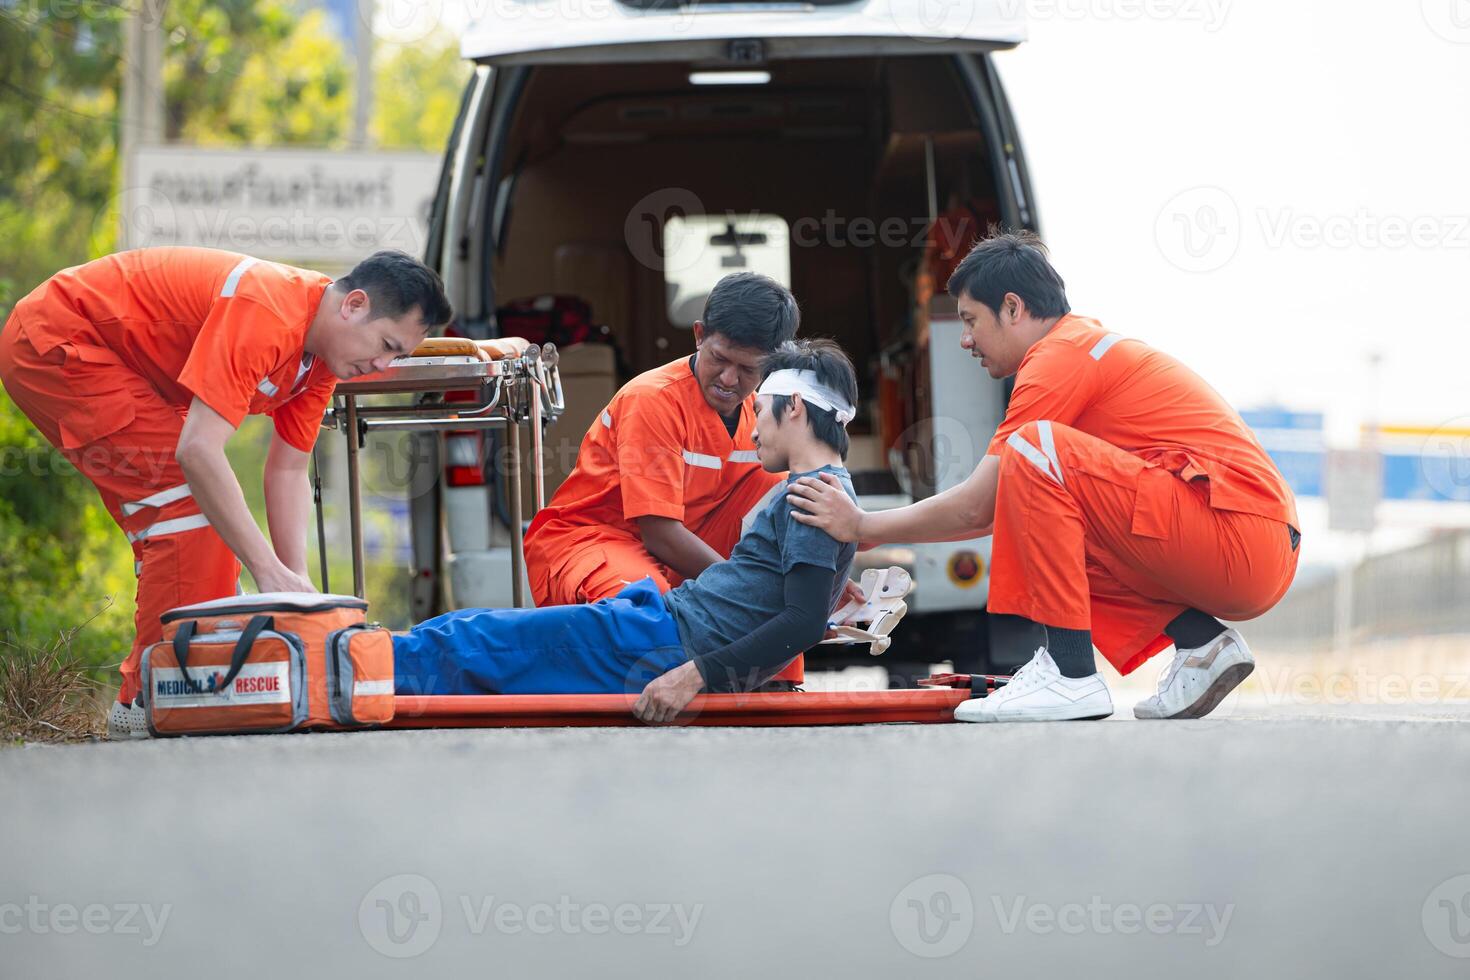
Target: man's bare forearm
219 496
287 504
676 546
961 512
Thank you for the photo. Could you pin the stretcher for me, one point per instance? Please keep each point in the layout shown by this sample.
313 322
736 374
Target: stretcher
923 706
932 704
871 621
510 392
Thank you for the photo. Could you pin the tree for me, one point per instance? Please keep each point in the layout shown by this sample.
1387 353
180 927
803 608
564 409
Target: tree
58 159
417 89
297 90
58 136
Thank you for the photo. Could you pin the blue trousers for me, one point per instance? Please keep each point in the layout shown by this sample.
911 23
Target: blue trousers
614 646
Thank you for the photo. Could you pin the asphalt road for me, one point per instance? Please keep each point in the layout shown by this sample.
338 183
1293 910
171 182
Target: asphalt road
1269 843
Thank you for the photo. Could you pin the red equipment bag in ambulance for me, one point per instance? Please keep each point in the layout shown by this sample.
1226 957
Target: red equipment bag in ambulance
274 662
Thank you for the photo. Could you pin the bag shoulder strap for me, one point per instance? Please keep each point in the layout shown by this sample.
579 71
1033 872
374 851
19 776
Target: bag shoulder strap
243 645
248 635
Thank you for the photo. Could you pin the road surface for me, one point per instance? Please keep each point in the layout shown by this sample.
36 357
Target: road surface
1272 843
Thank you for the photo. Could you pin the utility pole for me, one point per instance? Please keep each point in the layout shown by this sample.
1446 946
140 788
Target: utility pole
362 109
141 122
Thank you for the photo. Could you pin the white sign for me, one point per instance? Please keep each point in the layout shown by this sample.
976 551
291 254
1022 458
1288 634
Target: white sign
257 683
299 206
1354 486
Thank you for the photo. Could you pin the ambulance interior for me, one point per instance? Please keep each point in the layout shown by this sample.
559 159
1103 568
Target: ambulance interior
635 190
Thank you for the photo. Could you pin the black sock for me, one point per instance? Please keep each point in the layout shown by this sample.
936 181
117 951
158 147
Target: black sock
1071 650
1193 628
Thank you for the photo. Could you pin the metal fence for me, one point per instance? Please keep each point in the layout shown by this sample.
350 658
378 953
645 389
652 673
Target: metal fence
1419 591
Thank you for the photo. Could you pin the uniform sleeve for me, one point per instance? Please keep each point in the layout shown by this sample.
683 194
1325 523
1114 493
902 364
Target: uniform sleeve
803 544
1057 385
650 448
299 421
239 344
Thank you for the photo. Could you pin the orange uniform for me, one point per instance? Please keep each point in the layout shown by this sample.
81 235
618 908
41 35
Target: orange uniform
105 359
1129 491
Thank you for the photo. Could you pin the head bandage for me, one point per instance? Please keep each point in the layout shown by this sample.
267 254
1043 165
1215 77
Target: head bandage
789 381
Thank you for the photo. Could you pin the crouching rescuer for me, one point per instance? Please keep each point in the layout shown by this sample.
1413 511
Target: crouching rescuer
1130 504
140 366
730 628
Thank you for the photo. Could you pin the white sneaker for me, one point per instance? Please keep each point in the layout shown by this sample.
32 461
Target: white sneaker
127 721
1198 679
1039 692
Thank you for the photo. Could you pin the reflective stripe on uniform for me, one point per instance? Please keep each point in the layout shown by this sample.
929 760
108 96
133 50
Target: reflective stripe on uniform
1049 446
1103 346
365 689
1032 454
270 389
233 282
744 456
191 523
606 419
700 459
158 499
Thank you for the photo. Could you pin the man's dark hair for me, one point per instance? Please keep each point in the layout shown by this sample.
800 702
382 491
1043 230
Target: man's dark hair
1011 262
396 283
752 310
829 362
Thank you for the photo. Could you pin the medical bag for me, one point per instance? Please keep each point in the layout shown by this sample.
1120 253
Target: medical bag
274 662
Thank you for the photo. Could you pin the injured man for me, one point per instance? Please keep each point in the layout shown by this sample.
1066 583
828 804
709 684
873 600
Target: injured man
729 629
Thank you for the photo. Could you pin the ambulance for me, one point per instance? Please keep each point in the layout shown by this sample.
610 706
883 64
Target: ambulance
612 159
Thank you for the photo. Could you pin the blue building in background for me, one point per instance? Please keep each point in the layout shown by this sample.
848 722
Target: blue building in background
1415 466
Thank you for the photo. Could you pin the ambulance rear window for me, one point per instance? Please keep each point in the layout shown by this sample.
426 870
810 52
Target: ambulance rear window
700 249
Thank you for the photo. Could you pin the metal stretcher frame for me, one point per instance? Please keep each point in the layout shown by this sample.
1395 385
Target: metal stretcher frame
512 392
925 706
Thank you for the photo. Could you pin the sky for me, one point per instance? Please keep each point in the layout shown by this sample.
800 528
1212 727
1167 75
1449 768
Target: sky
1274 192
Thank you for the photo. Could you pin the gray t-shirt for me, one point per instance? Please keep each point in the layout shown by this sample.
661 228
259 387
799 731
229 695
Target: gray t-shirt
731 598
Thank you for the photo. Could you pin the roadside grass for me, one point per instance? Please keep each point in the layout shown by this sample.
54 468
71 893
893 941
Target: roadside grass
48 693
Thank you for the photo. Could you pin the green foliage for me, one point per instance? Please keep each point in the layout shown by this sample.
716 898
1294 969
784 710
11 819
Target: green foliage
210 46
416 92
61 558
297 90
59 76
58 100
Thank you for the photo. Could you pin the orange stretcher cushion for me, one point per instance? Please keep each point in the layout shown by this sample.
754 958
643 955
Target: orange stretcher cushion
929 706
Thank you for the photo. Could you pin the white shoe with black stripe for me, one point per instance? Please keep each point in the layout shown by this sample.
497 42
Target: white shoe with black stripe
126 721
1039 692
1199 678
